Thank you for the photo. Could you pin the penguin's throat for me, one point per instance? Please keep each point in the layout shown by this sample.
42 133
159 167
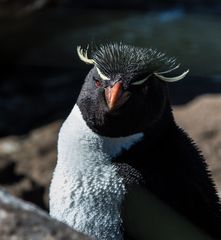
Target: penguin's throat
77 141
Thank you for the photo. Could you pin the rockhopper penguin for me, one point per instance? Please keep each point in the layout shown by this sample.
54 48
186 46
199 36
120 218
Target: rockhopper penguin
122 132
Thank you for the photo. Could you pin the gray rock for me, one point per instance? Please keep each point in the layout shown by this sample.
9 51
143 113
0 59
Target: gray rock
26 163
24 221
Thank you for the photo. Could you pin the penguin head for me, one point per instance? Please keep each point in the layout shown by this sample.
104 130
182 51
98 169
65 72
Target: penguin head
125 92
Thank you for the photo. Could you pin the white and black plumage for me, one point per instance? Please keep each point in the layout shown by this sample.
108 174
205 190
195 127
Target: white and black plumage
122 132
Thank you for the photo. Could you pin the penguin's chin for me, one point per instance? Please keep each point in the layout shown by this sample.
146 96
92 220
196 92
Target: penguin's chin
115 130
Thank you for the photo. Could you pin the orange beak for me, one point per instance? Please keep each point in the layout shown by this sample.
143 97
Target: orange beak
112 94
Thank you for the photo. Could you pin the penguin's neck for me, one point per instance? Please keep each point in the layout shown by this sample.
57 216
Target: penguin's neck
161 129
78 144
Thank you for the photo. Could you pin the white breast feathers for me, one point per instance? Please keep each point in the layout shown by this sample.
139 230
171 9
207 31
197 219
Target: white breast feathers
86 190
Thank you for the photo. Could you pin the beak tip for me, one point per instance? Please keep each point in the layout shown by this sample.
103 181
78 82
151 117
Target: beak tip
110 106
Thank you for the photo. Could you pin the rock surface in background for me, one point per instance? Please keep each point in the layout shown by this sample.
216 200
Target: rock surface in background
23 221
27 162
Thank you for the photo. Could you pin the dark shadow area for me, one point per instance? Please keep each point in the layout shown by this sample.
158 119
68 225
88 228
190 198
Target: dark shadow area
33 5
35 195
33 96
8 174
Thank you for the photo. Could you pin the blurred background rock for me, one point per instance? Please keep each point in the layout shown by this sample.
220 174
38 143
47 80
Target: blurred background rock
41 75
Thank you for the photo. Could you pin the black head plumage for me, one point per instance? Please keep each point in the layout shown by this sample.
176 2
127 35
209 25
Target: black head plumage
125 92
116 58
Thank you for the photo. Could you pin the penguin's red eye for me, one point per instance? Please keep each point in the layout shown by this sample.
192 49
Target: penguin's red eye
97 83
